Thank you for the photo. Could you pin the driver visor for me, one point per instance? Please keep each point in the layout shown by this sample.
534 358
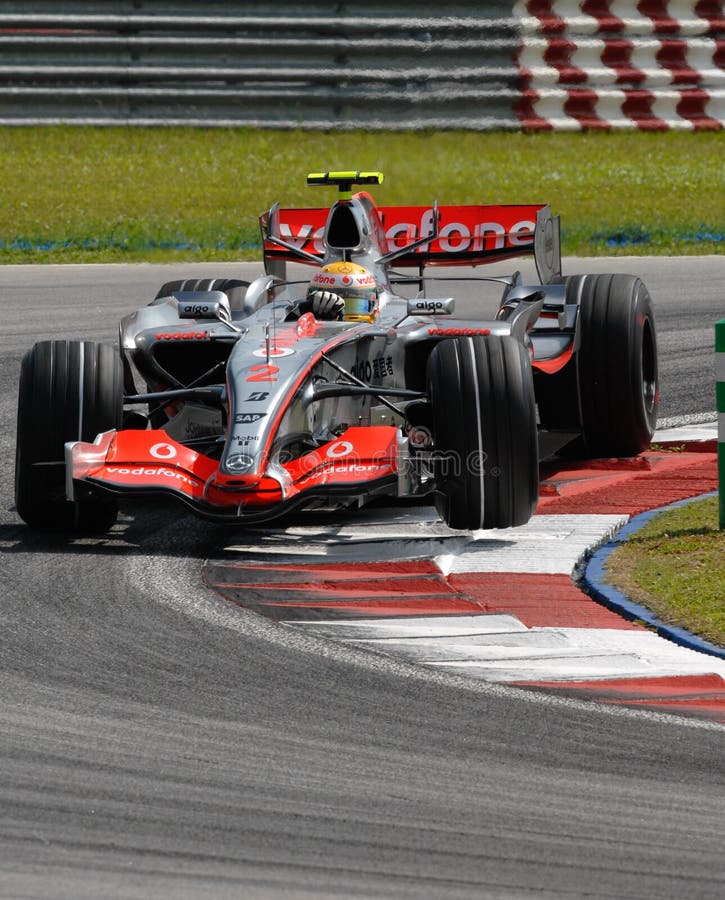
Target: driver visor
359 303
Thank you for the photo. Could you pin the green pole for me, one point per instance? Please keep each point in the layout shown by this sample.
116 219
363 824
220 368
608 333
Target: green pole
720 394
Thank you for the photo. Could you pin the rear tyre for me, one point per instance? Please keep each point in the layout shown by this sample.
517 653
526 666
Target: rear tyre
611 386
617 366
69 391
484 429
232 287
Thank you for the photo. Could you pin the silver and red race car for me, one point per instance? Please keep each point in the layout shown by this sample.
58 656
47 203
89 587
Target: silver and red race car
247 401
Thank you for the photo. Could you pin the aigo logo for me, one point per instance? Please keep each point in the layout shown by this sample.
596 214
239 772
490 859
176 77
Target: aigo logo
424 305
195 309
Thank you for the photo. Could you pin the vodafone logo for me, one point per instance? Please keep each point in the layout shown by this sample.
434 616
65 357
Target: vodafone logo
154 472
182 336
273 351
468 236
163 451
458 332
338 449
357 279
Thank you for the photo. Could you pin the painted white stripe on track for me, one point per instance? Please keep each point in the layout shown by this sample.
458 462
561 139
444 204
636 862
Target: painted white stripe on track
416 627
576 653
351 551
546 545
706 431
500 648
575 668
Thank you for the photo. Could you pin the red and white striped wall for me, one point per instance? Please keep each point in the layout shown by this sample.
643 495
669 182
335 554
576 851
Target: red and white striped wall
622 64
494 605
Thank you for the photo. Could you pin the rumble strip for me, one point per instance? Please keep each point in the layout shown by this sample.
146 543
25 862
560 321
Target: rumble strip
496 605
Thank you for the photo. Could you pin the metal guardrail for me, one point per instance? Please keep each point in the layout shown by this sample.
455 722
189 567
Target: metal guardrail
618 65
260 64
401 65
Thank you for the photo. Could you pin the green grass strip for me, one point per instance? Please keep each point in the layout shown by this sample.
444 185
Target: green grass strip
80 194
675 566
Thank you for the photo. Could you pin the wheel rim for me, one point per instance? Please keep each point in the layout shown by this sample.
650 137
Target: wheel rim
649 368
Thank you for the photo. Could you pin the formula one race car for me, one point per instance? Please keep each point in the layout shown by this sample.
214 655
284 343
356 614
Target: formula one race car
246 401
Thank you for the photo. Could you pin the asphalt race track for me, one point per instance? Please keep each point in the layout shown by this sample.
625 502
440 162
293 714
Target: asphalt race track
156 741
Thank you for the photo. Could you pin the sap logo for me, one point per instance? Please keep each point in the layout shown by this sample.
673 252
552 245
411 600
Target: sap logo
248 418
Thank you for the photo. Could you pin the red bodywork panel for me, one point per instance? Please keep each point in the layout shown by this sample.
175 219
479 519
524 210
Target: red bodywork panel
468 235
150 461
556 363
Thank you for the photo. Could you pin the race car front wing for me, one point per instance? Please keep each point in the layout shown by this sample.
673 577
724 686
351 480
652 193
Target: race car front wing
362 462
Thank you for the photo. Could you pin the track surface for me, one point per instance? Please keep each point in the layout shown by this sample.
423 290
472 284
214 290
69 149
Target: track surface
157 742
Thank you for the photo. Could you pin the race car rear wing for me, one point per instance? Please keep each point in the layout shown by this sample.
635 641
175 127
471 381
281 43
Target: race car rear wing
467 235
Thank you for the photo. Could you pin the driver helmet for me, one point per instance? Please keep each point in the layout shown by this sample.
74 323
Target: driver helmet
354 284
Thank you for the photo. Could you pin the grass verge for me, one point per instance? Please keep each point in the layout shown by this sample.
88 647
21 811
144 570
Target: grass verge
82 194
675 566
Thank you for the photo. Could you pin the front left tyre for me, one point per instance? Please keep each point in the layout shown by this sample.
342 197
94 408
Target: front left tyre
484 432
69 391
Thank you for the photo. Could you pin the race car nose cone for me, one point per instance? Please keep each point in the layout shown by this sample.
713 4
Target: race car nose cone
238 463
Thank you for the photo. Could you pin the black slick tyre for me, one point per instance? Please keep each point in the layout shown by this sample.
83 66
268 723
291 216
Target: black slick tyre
611 384
617 366
484 432
69 391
